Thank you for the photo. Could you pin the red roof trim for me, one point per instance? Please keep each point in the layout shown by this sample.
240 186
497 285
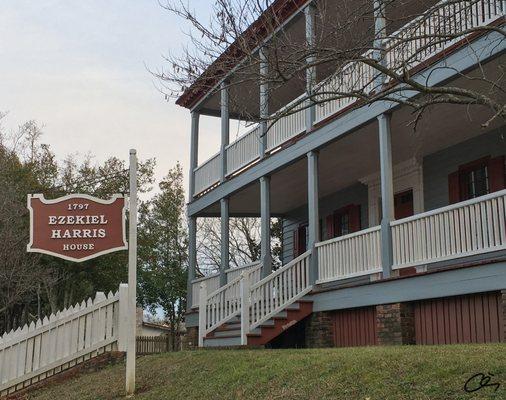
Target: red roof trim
281 10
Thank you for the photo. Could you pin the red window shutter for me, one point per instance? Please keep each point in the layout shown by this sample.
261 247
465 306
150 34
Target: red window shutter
496 174
295 242
354 217
453 187
329 222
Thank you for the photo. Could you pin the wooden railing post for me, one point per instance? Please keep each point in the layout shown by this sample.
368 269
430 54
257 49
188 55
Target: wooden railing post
202 313
123 317
245 304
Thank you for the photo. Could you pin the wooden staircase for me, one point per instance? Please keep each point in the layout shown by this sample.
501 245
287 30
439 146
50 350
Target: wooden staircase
244 314
229 333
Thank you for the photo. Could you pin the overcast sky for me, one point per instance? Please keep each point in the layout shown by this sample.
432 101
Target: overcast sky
80 68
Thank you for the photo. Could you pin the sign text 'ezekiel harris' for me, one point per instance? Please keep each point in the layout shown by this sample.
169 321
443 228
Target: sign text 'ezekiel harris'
76 227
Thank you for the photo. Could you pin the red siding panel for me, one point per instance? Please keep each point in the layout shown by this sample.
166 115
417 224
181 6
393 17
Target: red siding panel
355 327
462 319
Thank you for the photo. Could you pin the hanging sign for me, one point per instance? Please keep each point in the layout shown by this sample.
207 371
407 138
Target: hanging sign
76 227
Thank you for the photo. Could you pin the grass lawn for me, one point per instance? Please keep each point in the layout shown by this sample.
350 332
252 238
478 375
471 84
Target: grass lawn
408 372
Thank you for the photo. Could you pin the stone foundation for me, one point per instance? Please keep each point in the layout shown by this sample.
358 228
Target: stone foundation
191 339
395 324
319 330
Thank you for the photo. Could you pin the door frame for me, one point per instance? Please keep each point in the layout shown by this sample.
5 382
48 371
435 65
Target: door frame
406 175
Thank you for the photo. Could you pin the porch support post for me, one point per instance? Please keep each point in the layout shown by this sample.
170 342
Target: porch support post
265 213
387 193
225 130
379 37
224 241
264 101
194 153
192 259
313 213
309 13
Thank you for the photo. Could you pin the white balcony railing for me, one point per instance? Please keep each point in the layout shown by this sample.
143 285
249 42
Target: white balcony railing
349 256
411 45
288 126
471 227
468 228
243 151
207 174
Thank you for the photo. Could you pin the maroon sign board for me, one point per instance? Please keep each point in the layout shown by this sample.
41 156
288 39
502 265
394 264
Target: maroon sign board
77 227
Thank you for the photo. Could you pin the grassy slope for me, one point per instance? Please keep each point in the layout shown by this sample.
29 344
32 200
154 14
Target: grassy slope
414 372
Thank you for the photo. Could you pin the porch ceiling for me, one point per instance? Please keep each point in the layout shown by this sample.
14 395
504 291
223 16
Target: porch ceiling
352 157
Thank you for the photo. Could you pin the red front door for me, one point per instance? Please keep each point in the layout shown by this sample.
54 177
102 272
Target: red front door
403 204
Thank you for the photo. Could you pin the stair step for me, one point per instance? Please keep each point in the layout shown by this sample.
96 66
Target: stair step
222 341
226 333
280 315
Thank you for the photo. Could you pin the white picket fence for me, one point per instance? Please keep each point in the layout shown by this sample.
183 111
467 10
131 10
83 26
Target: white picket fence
65 339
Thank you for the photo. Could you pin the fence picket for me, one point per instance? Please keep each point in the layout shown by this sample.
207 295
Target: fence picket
50 345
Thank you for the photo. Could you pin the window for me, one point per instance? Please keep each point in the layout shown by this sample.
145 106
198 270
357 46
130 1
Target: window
474 182
343 221
477 178
300 240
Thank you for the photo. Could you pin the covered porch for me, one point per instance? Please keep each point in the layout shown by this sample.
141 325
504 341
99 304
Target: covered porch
443 186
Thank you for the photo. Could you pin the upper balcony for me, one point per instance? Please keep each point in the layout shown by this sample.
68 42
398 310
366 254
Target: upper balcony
293 105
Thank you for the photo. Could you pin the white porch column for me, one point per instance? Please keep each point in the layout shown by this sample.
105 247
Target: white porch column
264 101
225 129
194 153
309 13
265 231
192 259
387 193
224 241
313 213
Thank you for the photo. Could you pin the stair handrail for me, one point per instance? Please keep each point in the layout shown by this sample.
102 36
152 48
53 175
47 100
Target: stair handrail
277 291
218 307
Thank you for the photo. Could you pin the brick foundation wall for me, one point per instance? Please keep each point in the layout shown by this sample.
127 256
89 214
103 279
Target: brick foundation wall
319 331
191 339
395 324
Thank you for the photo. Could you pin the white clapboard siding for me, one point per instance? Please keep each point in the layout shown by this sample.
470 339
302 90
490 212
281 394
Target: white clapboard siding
53 344
349 256
471 227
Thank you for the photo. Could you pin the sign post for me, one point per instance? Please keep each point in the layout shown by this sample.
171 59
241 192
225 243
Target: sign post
79 227
132 276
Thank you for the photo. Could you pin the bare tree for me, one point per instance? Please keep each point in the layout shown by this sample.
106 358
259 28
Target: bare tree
353 60
244 243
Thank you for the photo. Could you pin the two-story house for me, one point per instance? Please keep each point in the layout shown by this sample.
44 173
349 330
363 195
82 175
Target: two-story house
391 235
